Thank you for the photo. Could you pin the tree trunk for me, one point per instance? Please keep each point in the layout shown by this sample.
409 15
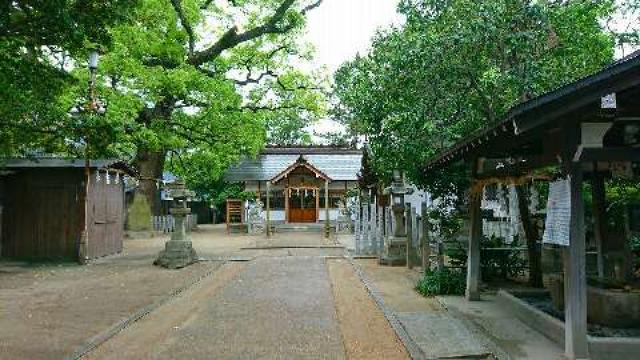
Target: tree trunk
150 164
531 235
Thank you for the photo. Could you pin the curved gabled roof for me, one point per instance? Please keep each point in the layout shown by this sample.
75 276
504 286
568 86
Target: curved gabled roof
338 164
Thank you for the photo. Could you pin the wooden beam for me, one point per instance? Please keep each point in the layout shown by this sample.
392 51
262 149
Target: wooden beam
588 96
575 277
599 219
327 223
286 204
268 230
610 154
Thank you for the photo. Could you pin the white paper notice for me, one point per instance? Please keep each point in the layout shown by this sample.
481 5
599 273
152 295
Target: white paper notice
558 221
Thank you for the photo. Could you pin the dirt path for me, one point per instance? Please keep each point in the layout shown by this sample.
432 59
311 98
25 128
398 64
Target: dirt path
275 308
146 339
365 331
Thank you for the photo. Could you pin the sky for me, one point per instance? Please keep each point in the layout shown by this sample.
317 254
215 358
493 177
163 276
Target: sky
340 29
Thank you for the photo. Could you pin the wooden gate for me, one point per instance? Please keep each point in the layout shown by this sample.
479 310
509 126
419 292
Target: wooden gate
303 206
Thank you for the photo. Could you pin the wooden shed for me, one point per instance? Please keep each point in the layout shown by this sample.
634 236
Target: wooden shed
42 208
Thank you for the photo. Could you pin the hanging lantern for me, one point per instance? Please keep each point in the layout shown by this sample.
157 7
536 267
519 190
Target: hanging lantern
97 175
107 177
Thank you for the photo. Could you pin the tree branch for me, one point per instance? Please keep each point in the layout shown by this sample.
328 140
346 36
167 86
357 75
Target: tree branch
250 80
232 38
177 6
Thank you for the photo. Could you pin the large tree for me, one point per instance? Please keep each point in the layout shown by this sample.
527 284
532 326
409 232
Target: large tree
457 66
36 39
197 83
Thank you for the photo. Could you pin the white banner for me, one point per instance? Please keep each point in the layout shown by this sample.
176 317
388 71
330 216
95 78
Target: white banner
558 221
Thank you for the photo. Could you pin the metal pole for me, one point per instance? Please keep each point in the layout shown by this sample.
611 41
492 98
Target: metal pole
83 251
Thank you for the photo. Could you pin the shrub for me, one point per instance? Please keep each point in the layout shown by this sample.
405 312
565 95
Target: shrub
442 282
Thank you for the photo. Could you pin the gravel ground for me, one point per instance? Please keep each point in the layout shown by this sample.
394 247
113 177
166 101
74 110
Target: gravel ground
47 311
366 333
283 303
276 308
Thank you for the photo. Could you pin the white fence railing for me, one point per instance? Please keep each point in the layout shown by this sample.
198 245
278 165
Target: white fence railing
167 223
373 224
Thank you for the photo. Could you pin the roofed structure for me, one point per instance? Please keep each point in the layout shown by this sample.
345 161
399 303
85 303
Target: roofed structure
588 130
339 164
296 182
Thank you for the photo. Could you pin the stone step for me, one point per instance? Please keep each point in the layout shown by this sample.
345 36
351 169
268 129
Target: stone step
300 227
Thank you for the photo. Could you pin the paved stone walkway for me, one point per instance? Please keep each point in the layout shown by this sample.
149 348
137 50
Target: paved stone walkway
276 308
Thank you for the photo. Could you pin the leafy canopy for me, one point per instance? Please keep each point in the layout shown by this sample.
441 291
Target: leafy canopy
458 65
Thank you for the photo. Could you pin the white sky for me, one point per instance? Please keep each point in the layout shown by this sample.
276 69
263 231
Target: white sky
339 29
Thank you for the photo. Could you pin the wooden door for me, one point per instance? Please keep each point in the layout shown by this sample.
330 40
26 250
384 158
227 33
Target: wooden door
302 206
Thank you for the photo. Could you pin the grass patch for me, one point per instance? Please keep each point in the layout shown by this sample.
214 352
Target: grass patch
442 282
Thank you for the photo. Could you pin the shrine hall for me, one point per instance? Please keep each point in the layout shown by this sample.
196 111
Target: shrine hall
297 180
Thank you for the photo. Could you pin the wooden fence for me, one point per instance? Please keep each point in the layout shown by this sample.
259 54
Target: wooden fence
167 223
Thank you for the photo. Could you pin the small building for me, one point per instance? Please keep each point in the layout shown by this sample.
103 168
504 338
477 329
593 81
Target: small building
296 178
42 208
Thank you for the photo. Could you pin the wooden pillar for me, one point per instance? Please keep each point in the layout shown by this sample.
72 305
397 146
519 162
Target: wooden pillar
327 223
599 219
317 204
473 254
424 240
268 230
575 280
286 204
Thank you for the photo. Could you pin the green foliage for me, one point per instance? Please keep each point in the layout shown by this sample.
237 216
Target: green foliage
501 264
38 40
457 66
231 191
139 214
635 243
494 264
170 82
442 282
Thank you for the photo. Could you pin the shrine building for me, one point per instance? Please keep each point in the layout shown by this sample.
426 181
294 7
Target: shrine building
297 178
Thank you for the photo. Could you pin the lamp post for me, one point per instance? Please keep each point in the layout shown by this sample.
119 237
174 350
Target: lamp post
395 244
92 107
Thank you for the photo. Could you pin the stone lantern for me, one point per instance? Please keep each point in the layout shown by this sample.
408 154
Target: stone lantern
395 244
179 251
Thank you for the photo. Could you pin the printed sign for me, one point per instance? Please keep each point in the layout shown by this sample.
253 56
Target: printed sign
558 221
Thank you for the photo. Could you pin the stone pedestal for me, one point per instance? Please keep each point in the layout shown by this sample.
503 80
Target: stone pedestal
395 251
178 252
176 255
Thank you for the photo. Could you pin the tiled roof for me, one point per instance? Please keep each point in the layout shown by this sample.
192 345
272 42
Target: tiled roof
338 164
53 162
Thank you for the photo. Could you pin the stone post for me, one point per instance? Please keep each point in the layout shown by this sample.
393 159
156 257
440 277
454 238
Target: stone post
179 251
424 240
358 228
410 248
380 230
395 247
